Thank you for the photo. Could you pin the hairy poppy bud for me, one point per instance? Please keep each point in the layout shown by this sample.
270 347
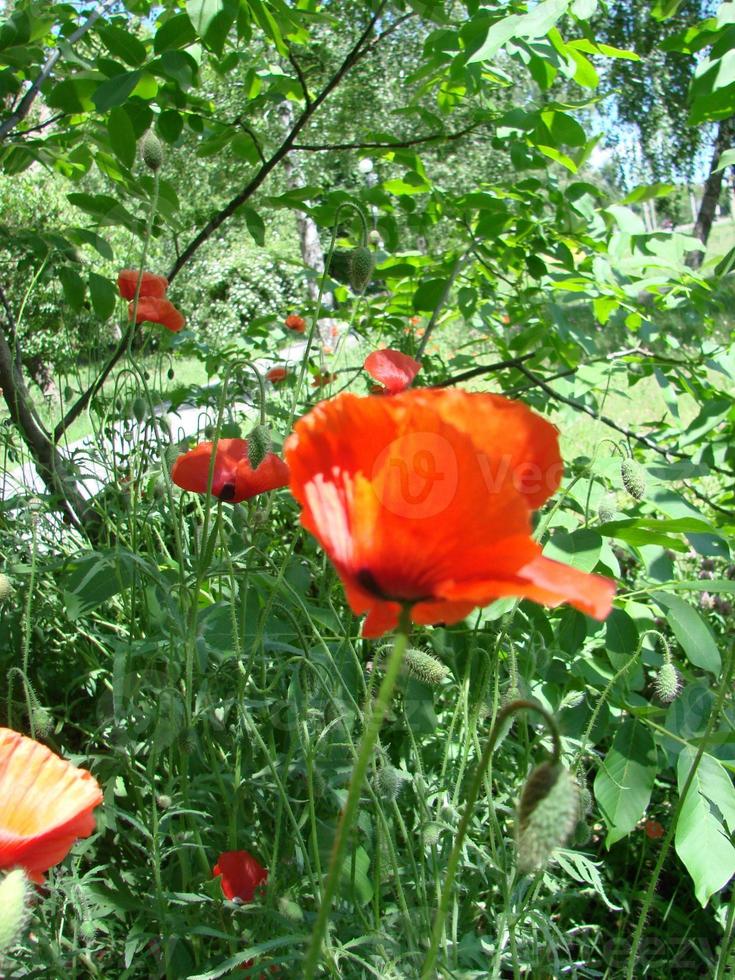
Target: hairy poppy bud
43 720
548 812
634 479
606 510
15 891
361 268
6 586
151 151
389 783
432 832
139 409
667 682
259 445
424 667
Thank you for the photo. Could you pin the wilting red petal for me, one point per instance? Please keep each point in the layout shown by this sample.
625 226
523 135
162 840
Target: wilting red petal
241 874
294 322
425 498
151 284
233 478
46 804
392 368
157 310
277 374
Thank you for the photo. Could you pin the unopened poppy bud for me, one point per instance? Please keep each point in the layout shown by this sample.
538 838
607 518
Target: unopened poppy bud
288 908
163 801
548 812
259 445
572 699
667 683
152 151
432 831
389 783
634 479
361 268
581 834
139 409
606 510
585 799
6 586
424 667
15 893
42 719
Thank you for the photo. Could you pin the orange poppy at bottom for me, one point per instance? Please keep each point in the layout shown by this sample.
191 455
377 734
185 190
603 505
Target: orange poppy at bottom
233 478
46 804
425 498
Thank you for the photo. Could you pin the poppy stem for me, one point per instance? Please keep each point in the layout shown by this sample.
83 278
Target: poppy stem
364 755
503 715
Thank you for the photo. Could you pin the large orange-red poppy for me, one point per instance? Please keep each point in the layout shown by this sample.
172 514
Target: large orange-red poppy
150 284
241 875
425 499
393 369
233 479
158 310
46 803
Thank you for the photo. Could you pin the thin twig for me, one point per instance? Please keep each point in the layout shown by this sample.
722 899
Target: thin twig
388 145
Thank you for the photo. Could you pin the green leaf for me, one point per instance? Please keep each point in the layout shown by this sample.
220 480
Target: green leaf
621 634
116 90
363 887
625 779
581 548
93 579
169 125
691 631
212 20
727 159
123 45
663 9
701 840
73 286
177 32
256 225
122 136
428 295
536 23
103 294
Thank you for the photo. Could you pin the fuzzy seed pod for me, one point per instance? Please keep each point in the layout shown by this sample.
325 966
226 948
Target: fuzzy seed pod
667 683
15 893
424 667
361 268
259 445
548 812
389 783
634 478
152 151
6 586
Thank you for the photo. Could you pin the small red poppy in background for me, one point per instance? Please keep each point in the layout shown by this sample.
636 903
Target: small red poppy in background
415 321
295 322
392 368
233 479
424 500
241 875
150 285
46 804
654 830
277 374
321 379
157 310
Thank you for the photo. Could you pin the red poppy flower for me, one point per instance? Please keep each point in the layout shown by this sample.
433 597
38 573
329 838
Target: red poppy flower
425 499
233 479
294 322
157 310
392 368
321 380
241 874
46 803
277 374
151 284
654 830
415 321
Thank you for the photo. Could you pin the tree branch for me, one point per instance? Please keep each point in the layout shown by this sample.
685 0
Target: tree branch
393 145
286 146
24 106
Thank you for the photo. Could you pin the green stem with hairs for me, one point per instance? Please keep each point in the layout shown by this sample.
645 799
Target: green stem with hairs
667 841
510 709
365 752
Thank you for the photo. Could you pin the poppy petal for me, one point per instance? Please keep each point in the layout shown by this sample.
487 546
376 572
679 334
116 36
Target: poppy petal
150 284
241 875
392 368
233 479
157 310
46 804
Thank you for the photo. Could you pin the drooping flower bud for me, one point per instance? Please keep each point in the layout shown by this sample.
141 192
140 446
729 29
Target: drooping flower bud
361 268
634 479
389 783
139 409
424 667
259 445
667 682
15 892
6 586
151 151
606 510
548 812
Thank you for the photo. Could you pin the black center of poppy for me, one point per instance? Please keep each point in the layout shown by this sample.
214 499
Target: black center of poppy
367 580
227 492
